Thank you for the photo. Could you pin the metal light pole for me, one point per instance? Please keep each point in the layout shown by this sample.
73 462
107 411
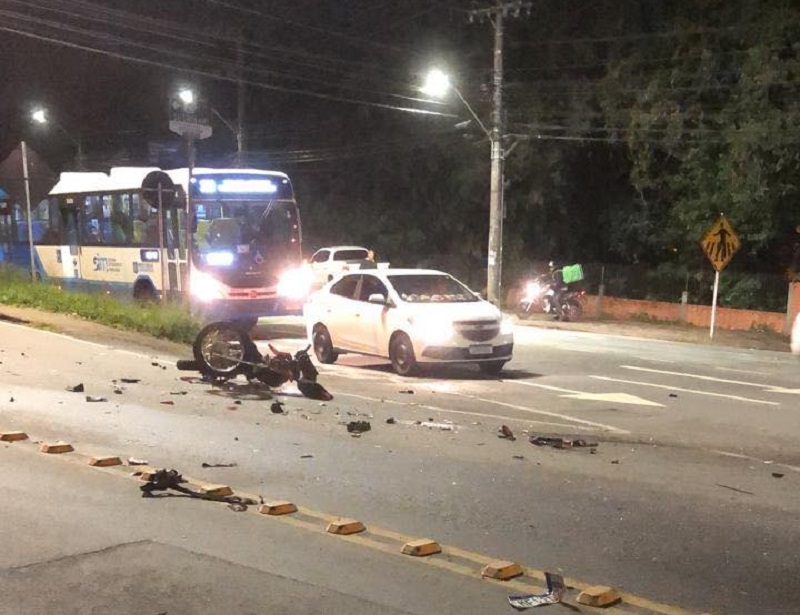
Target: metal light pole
495 260
27 181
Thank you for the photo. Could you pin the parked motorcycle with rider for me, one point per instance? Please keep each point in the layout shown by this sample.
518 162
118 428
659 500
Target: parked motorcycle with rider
554 293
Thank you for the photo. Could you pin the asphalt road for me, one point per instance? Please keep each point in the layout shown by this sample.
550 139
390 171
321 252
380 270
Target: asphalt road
678 507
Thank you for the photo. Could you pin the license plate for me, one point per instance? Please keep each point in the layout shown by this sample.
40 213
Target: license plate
480 349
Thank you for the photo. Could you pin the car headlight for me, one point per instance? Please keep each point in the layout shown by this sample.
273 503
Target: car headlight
295 283
433 331
506 327
205 287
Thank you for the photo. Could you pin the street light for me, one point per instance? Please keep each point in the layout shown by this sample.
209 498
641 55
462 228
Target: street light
40 117
437 84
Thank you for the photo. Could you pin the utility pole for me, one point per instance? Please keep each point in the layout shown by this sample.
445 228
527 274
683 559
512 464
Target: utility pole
240 93
496 14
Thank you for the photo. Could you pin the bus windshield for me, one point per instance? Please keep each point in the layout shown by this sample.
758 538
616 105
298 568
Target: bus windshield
242 226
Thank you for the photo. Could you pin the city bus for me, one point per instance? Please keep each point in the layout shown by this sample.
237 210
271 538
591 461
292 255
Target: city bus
234 249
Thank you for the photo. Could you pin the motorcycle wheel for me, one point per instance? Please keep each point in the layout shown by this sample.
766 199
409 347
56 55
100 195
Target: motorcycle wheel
524 309
571 310
223 351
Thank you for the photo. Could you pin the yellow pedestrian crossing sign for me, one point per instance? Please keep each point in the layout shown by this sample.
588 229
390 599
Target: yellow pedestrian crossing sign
720 243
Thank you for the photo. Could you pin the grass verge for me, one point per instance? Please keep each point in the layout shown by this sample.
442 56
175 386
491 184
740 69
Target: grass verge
170 321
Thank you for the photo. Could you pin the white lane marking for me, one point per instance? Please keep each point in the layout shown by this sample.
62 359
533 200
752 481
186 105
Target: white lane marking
619 398
142 355
740 371
769 388
565 417
466 412
614 398
682 390
749 458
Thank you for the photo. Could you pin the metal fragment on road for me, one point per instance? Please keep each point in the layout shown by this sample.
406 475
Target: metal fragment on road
555 592
92 398
358 426
78 388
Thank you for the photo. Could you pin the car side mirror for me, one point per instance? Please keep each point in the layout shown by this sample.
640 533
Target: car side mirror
377 298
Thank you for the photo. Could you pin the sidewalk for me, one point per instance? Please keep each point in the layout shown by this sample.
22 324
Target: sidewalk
674 332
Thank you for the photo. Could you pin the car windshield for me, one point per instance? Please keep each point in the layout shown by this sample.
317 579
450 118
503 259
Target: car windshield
431 289
350 255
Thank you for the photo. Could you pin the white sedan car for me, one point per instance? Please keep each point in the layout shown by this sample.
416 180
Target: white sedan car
410 316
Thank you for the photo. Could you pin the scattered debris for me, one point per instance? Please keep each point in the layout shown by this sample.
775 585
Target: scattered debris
358 426
178 392
232 408
777 475
92 398
78 388
429 424
407 391
219 465
277 407
391 420
130 380
132 461
355 435
518 456
168 402
736 489
155 363
673 394
555 592
238 402
164 479
306 456
561 441
615 461
505 432
117 390
237 506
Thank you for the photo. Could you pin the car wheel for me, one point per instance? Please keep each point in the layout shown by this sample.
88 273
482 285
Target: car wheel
492 368
323 346
401 353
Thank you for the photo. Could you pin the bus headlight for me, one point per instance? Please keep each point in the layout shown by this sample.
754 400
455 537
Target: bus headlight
295 283
205 287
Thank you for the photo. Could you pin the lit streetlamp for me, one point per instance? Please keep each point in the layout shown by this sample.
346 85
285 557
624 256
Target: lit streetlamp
437 84
40 117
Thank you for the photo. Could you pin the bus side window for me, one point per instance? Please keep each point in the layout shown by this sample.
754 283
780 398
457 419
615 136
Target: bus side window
70 220
120 219
53 233
91 233
104 215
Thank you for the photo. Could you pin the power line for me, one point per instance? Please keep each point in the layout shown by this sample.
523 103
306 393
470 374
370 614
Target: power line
211 75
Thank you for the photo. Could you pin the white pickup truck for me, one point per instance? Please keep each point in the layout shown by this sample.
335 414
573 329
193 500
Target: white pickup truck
328 262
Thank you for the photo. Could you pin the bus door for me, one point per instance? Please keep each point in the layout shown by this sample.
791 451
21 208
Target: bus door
70 259
174 221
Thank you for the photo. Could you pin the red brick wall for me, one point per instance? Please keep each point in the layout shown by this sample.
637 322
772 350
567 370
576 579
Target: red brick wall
698 315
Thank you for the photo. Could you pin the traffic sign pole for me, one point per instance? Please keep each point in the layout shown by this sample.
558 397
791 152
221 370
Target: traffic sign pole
714 304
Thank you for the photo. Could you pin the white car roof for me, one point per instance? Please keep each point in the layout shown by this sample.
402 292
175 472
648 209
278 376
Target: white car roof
334 248
391 272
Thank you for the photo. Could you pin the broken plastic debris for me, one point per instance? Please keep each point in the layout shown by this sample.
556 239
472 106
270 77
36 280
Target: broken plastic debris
276 407
505 432
407 391
168 402
306 456
561 441
219 465
555 591
78 388
130 380
358 426
391 420
132 461
93 398
777 475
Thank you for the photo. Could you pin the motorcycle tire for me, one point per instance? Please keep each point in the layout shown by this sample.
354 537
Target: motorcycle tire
571 310
524 310
223 351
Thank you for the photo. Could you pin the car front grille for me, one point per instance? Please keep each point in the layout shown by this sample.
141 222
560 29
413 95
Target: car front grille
477 330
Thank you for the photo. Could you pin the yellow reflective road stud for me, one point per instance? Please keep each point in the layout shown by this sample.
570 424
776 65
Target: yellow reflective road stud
720 243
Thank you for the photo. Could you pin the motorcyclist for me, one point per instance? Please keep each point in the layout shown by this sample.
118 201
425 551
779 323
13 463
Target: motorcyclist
557 285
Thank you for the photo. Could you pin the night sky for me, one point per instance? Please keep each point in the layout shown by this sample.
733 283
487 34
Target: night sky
105 70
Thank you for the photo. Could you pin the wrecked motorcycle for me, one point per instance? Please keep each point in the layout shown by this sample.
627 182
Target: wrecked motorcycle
223 351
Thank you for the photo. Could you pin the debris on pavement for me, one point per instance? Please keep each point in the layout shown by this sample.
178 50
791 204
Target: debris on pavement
164 479
615 461
505 432
736 489
237 506
168 402
132 461
306 456
777 475
358 426
93 398
407 391
78 388
561 441
555 592
178 392
219 465
130 380
518 456
391 420
276 407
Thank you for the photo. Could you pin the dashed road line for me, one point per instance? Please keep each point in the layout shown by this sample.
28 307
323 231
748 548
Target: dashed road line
769 388
682 390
